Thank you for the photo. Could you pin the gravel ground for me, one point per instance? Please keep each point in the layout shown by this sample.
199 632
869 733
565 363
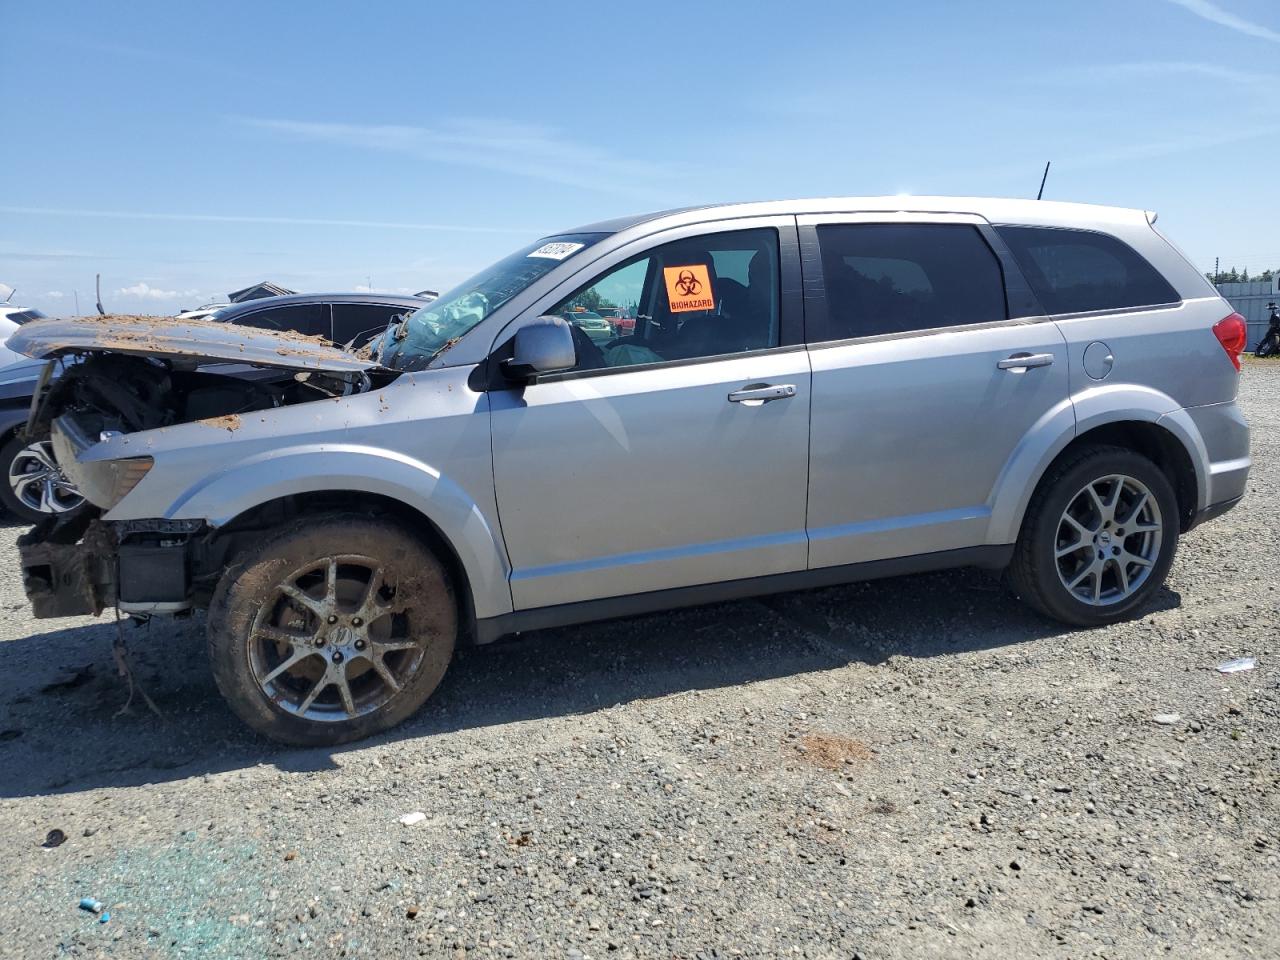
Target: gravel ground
915 767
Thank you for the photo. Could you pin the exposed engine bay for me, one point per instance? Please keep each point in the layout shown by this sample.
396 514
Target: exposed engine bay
82 564
124 394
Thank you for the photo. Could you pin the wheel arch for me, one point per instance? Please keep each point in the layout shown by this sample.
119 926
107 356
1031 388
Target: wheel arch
227 538
283 484
1134 418
1158 444
1167 443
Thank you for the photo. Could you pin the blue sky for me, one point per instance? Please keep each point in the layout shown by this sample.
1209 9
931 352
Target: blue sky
186 149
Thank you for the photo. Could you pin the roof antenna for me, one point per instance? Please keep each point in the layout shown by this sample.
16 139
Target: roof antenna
1040 195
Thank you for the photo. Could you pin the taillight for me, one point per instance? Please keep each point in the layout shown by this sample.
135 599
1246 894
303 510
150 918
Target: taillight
1233 334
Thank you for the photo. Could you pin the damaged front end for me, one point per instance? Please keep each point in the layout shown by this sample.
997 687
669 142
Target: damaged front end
69 567
84 565
130 376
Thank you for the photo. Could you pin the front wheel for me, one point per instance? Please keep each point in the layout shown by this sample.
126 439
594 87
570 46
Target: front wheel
1270 345
331 630
36 488
1098 538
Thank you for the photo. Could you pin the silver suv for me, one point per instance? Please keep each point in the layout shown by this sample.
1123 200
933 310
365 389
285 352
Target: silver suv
813 392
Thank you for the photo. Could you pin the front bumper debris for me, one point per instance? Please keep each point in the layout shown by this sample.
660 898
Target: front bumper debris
81 566
69 569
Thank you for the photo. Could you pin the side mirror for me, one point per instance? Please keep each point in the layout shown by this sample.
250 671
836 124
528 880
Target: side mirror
543 346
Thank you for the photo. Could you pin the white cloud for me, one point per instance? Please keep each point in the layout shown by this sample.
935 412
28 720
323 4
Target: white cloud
144 291
55 294
1108 72
1133 153
236 218
1215 14
542 153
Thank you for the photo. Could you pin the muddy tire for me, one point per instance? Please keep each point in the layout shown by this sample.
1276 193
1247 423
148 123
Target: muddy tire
331 629
1098 538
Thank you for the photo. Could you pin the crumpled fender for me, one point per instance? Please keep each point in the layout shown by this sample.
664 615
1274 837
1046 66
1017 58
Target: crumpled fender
222 496
1091 408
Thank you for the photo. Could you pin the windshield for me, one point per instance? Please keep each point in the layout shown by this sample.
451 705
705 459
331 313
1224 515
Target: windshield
432 328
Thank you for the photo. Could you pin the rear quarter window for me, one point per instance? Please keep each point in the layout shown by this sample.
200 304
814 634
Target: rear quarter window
1081 271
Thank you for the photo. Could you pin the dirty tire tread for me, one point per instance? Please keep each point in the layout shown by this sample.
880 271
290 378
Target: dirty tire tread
1043 593
255 571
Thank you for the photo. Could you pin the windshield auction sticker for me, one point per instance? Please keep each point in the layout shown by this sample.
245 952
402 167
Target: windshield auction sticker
689 288
556 251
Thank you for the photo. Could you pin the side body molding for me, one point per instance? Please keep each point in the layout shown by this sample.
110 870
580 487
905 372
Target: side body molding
224 495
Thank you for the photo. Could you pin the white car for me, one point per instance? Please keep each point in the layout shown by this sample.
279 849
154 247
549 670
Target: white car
201 313
10 319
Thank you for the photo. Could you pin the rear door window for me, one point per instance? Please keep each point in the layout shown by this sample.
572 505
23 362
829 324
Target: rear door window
359 322
310 319
1079 271
888 278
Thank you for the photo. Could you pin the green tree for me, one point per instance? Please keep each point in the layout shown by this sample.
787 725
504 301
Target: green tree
591 299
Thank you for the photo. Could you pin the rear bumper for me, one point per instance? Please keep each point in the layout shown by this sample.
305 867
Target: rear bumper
1212 511
1228 480
1225 436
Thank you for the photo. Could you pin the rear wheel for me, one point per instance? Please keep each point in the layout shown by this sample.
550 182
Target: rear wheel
1098 538
332 630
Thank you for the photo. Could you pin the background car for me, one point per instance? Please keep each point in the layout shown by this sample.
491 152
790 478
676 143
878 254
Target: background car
203 312
622 323
344 318
35 487
598 328
10 319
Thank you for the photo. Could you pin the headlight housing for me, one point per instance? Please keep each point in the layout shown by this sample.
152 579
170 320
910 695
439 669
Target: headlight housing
107 482
104 483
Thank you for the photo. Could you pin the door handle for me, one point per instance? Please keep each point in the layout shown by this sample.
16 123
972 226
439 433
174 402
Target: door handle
1020 361
753 395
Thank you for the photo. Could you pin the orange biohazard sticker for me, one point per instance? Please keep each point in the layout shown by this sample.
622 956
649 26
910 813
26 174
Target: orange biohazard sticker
689 288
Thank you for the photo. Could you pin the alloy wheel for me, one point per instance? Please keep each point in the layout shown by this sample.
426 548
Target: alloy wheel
331 643
1108 540
39 483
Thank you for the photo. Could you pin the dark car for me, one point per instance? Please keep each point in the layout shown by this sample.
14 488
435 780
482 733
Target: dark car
344 318
35 488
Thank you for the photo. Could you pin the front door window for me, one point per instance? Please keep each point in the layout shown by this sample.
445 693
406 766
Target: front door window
705 296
